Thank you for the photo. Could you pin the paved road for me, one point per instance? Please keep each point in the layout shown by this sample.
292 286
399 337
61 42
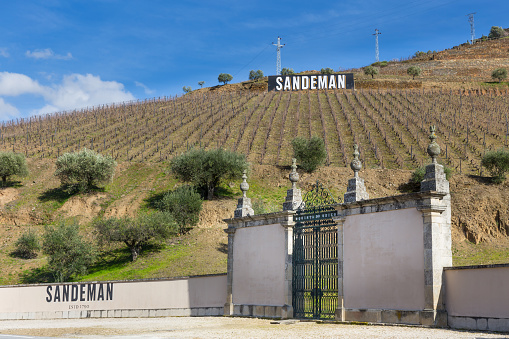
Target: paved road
216 327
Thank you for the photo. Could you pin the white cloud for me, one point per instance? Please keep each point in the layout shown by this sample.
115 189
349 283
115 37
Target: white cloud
75 91
47 54
145 88
4 53
79 90
7 111
14 84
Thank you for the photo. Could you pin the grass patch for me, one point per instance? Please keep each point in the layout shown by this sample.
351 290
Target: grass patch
467 254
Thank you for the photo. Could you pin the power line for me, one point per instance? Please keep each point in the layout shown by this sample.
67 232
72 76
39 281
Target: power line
278 62
472 29
377 32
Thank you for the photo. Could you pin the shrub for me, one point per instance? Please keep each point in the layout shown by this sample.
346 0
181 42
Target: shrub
255 75
206 169
184 204
69 254
327 70
414 71
224 78
497 163
12 164
309 153
287 71
27 245
499 74
496 32
136 233
370 70
80 171
187 89
201 83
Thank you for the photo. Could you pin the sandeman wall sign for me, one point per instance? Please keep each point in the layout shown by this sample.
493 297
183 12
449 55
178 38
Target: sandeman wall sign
310 82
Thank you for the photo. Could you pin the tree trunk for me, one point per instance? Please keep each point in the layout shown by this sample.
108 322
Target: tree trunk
135 251
210 191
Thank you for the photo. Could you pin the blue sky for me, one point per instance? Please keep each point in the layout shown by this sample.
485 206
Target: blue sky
59 55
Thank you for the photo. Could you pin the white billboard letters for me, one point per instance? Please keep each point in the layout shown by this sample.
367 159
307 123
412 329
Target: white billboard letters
311 82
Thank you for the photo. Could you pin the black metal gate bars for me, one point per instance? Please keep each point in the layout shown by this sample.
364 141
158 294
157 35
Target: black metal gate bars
315 257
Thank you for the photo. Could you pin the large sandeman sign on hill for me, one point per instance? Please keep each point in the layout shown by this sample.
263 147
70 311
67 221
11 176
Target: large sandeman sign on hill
310 82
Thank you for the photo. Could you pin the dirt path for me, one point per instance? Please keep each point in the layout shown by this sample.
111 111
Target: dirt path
220 327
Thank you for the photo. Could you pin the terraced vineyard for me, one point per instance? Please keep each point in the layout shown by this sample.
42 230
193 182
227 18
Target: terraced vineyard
391 127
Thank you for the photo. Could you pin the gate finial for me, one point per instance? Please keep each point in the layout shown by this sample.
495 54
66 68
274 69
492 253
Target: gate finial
434 178
293 196
356 190
244 207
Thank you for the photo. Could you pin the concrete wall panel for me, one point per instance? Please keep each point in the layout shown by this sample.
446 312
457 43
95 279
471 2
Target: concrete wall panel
477 292
384 261
259 265
184 293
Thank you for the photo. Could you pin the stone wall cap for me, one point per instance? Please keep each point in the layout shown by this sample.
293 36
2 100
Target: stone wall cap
259 216
116 281
394 198
474 267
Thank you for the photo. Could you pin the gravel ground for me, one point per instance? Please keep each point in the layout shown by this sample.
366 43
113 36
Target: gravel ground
220 327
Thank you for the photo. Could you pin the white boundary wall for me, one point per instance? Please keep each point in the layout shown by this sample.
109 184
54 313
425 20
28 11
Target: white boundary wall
477 297
188 296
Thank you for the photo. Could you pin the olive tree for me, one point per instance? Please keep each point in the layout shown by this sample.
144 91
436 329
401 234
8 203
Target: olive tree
255 75
69 254
413 71
184 204
187 89
496 32
83 170
497 163
201 83
370 70
206 169
12 164
309 153
136 233
326 70
224 78
287 71
499 74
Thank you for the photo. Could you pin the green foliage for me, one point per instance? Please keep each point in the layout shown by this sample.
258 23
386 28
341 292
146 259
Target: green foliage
497 163
287 71
206 169
187 89
224 78
496 32
418 54
80 171
370 70
380 64
413 71
201 83
184 203
499 74
327 70
27 245
255 75
136 233
309 153
12 164
69 254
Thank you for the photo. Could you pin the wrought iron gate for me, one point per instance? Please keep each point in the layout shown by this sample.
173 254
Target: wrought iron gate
315 257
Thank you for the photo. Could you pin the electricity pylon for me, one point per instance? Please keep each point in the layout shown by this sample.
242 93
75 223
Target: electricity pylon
472 29
278 48
377 32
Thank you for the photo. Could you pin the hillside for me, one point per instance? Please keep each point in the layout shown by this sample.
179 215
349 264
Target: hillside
388 117
480 218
